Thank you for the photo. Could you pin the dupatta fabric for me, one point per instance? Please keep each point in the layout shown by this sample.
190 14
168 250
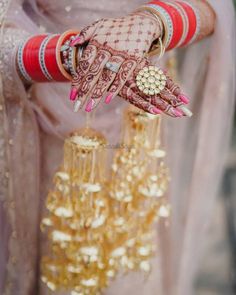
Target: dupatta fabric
196 147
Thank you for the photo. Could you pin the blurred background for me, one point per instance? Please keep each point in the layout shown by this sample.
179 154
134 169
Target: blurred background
217 275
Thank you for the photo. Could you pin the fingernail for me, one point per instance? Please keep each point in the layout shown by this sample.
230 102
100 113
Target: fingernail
178 113
77 105
108 98
89 106
73 94
75 41
186 111
156 111
184 98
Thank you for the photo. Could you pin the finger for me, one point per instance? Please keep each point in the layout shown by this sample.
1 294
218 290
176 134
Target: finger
173 100
172 94
84 64
104 82
126 70
86 34
131 82
167 108
136 100
92 77
175 90
186 111
156 100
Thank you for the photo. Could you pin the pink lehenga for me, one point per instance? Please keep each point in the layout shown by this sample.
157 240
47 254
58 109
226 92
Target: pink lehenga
35 122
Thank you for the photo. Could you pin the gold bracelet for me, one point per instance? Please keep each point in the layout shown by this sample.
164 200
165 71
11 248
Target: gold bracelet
58 52
158 48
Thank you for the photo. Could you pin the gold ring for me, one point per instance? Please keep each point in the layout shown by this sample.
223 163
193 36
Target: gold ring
151 80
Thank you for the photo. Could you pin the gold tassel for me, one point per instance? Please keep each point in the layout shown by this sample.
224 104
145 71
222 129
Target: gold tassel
139 181
99 226
78 210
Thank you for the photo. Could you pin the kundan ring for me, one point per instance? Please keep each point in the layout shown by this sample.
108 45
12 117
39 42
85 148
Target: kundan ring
151 80
114 67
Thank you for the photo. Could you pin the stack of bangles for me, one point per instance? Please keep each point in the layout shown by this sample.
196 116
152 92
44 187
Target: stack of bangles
180 20
46 57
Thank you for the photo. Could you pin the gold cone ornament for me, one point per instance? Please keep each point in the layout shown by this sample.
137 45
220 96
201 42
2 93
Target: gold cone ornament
97 226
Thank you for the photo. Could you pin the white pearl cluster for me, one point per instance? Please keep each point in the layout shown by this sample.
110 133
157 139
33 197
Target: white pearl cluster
151 80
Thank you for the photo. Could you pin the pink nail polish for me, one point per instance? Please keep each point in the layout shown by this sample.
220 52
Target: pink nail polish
156 111
73 94
89 106
75 41
178 113
108 98
184 98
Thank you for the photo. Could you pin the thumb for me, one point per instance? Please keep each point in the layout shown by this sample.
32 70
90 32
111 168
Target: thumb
86 34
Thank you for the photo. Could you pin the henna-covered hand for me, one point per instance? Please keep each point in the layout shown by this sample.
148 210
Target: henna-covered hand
105 41
122 41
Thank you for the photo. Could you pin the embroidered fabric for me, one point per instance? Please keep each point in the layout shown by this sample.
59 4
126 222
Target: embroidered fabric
19 186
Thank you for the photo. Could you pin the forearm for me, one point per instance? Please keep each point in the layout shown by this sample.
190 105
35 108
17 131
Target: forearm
207 18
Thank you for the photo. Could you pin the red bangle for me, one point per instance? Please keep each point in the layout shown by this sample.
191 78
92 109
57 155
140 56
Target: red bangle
192 22
184 17
177 21
40 60
31 58
51 60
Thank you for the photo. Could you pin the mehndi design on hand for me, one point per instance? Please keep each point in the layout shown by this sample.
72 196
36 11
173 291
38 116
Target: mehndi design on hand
105 68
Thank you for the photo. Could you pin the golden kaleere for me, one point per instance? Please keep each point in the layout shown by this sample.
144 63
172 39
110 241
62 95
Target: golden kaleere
99 226
139 181
78 208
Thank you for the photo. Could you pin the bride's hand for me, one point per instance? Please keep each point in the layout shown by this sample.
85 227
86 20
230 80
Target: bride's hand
119 43
122 41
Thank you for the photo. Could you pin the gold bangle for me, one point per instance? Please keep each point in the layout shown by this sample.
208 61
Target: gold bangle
58 52
157 49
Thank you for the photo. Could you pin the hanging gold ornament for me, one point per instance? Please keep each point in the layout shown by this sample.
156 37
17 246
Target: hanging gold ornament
78 210
98 226
138 183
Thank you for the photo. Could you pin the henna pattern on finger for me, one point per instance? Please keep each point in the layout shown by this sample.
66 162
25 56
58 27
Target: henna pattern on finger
172 86
171 93
104 82
86 60
107 77
92 76
170 98
122 76
166 107
136 100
